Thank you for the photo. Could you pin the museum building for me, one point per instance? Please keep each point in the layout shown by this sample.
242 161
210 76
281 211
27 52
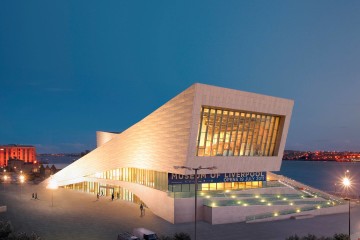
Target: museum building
239 133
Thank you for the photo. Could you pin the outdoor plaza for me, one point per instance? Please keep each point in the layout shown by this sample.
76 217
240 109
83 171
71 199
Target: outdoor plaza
69 214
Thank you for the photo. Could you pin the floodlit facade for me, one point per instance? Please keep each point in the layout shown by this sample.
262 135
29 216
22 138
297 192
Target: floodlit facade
243 134
24 153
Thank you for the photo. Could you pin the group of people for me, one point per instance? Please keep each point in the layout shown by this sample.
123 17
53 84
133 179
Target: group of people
112 195
142 208
34 195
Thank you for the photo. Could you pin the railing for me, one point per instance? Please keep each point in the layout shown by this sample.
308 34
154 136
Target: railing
220 193
305 188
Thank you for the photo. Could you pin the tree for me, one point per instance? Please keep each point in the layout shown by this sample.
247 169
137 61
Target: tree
181 236
7 233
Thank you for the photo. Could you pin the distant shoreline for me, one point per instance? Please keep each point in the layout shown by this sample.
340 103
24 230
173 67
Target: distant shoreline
304 160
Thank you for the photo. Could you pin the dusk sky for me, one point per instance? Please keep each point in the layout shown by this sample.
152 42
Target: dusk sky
70 68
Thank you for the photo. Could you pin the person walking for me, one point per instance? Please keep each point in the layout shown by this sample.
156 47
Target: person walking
97 196
112 196
141 209
33 196
36 196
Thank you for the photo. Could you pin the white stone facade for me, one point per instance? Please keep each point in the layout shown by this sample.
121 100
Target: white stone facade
168 137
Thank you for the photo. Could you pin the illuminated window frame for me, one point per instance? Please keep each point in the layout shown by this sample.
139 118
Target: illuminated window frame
225 132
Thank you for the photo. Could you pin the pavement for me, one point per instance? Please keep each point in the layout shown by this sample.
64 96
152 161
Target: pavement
78 215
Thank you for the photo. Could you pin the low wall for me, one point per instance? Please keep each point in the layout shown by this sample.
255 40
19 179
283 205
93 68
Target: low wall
322 211
231 214
185 210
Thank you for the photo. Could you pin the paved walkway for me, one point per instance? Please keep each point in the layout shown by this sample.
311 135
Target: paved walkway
77 215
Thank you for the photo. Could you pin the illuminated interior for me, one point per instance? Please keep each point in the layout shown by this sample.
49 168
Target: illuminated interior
105 190
159 180
149 178
225 132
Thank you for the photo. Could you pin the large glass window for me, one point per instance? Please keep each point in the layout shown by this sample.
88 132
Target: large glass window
150 178
224 132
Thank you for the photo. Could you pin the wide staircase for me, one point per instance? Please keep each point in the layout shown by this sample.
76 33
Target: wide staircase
282 198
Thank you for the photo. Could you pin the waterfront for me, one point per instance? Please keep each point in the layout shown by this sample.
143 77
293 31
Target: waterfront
323 175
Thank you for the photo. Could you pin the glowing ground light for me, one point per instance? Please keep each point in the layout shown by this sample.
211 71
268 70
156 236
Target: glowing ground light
291 204
298 210
257 196
207 196
284 199
213 204
276 214
318 207
239 202
262 200
232 196
269 204
245 204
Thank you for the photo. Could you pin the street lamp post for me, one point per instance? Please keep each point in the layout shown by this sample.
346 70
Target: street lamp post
347 183
196 187
5 179
52 186
22 180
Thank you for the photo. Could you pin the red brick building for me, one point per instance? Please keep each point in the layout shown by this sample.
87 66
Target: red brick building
21 152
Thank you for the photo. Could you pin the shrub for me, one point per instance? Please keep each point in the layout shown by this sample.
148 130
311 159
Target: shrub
23 236
177 236
181 236
340 236
309 237
295 237
7 233
5 229
165 238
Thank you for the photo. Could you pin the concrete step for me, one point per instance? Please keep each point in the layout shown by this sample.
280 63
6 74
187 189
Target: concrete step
303 216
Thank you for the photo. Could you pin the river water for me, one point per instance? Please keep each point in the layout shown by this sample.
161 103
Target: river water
326 176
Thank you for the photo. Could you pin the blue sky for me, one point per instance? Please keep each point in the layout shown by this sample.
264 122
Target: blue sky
69 68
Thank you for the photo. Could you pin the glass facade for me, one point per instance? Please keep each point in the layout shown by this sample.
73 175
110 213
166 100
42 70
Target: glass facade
105 190
157 180
149 178
224 132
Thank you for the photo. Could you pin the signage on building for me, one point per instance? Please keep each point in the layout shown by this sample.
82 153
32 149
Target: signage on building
174 178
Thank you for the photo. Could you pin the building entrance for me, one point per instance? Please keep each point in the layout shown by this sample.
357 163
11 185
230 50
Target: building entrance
106 190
